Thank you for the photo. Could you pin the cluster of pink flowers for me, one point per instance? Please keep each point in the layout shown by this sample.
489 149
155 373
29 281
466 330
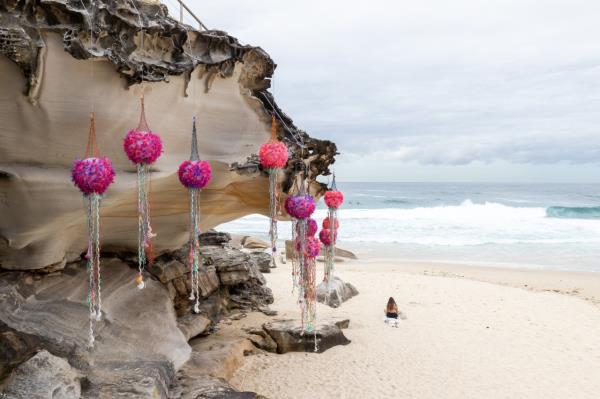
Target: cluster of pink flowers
312 247
326 224
325 237
311 227
142 147
273 155
300 206
92 175
194 174
334 199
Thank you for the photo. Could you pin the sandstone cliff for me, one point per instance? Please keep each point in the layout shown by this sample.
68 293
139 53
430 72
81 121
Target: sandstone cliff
61 58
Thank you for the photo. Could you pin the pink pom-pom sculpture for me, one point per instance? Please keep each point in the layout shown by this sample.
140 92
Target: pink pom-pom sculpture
194 174
325 237
300 206
312 247
273 155
142 147
93 175
326 223
334 199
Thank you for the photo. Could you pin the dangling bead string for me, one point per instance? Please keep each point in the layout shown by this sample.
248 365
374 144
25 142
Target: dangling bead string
295 268
141 183
273 198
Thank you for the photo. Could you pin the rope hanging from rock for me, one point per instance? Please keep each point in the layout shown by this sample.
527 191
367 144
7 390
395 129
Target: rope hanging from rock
195 175
143 147
92 175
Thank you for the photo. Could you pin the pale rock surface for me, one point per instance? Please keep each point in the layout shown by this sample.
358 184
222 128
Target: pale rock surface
54 310
335 292
44 376
192 325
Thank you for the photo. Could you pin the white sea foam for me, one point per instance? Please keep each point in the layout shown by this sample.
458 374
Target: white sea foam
454 225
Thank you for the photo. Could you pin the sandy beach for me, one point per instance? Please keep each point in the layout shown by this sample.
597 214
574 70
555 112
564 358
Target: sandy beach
470 332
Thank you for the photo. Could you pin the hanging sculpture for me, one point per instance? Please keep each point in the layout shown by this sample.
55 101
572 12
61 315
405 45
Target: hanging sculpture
92 175
195 175
143 147
273 156
301 207
328 236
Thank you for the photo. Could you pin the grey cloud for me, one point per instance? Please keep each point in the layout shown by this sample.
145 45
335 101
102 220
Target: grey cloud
433 82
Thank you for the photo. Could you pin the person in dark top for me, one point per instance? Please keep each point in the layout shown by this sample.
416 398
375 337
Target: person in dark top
392 312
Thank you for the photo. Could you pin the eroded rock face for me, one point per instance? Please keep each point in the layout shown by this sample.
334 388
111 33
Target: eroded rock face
54 310
47 61
140 345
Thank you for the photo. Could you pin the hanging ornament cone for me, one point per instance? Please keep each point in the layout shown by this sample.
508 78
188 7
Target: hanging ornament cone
328 236
92 175
195 175
273 156
143 147
301 207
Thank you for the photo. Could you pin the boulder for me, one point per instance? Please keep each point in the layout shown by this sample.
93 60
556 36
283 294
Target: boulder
290 336
344 253
206 387
335 292
214 238
255 243
55 312
263 261
44 376
167 271
192 325
261 339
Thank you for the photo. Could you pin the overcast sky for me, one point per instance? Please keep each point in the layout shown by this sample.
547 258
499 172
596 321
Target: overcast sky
434 90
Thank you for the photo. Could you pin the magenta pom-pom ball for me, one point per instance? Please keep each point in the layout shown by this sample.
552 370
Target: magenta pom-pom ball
327 224
311 227
142 147
325 237
93 175
334 199
300 206
194 174
273 155
312 247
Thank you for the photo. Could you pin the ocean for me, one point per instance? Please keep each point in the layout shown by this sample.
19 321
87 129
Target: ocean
517 225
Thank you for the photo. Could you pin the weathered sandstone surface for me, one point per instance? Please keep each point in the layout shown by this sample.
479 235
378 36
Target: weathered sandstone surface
141 348
53 72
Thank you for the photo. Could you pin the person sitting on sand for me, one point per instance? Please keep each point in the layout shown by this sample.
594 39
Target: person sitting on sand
392 313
